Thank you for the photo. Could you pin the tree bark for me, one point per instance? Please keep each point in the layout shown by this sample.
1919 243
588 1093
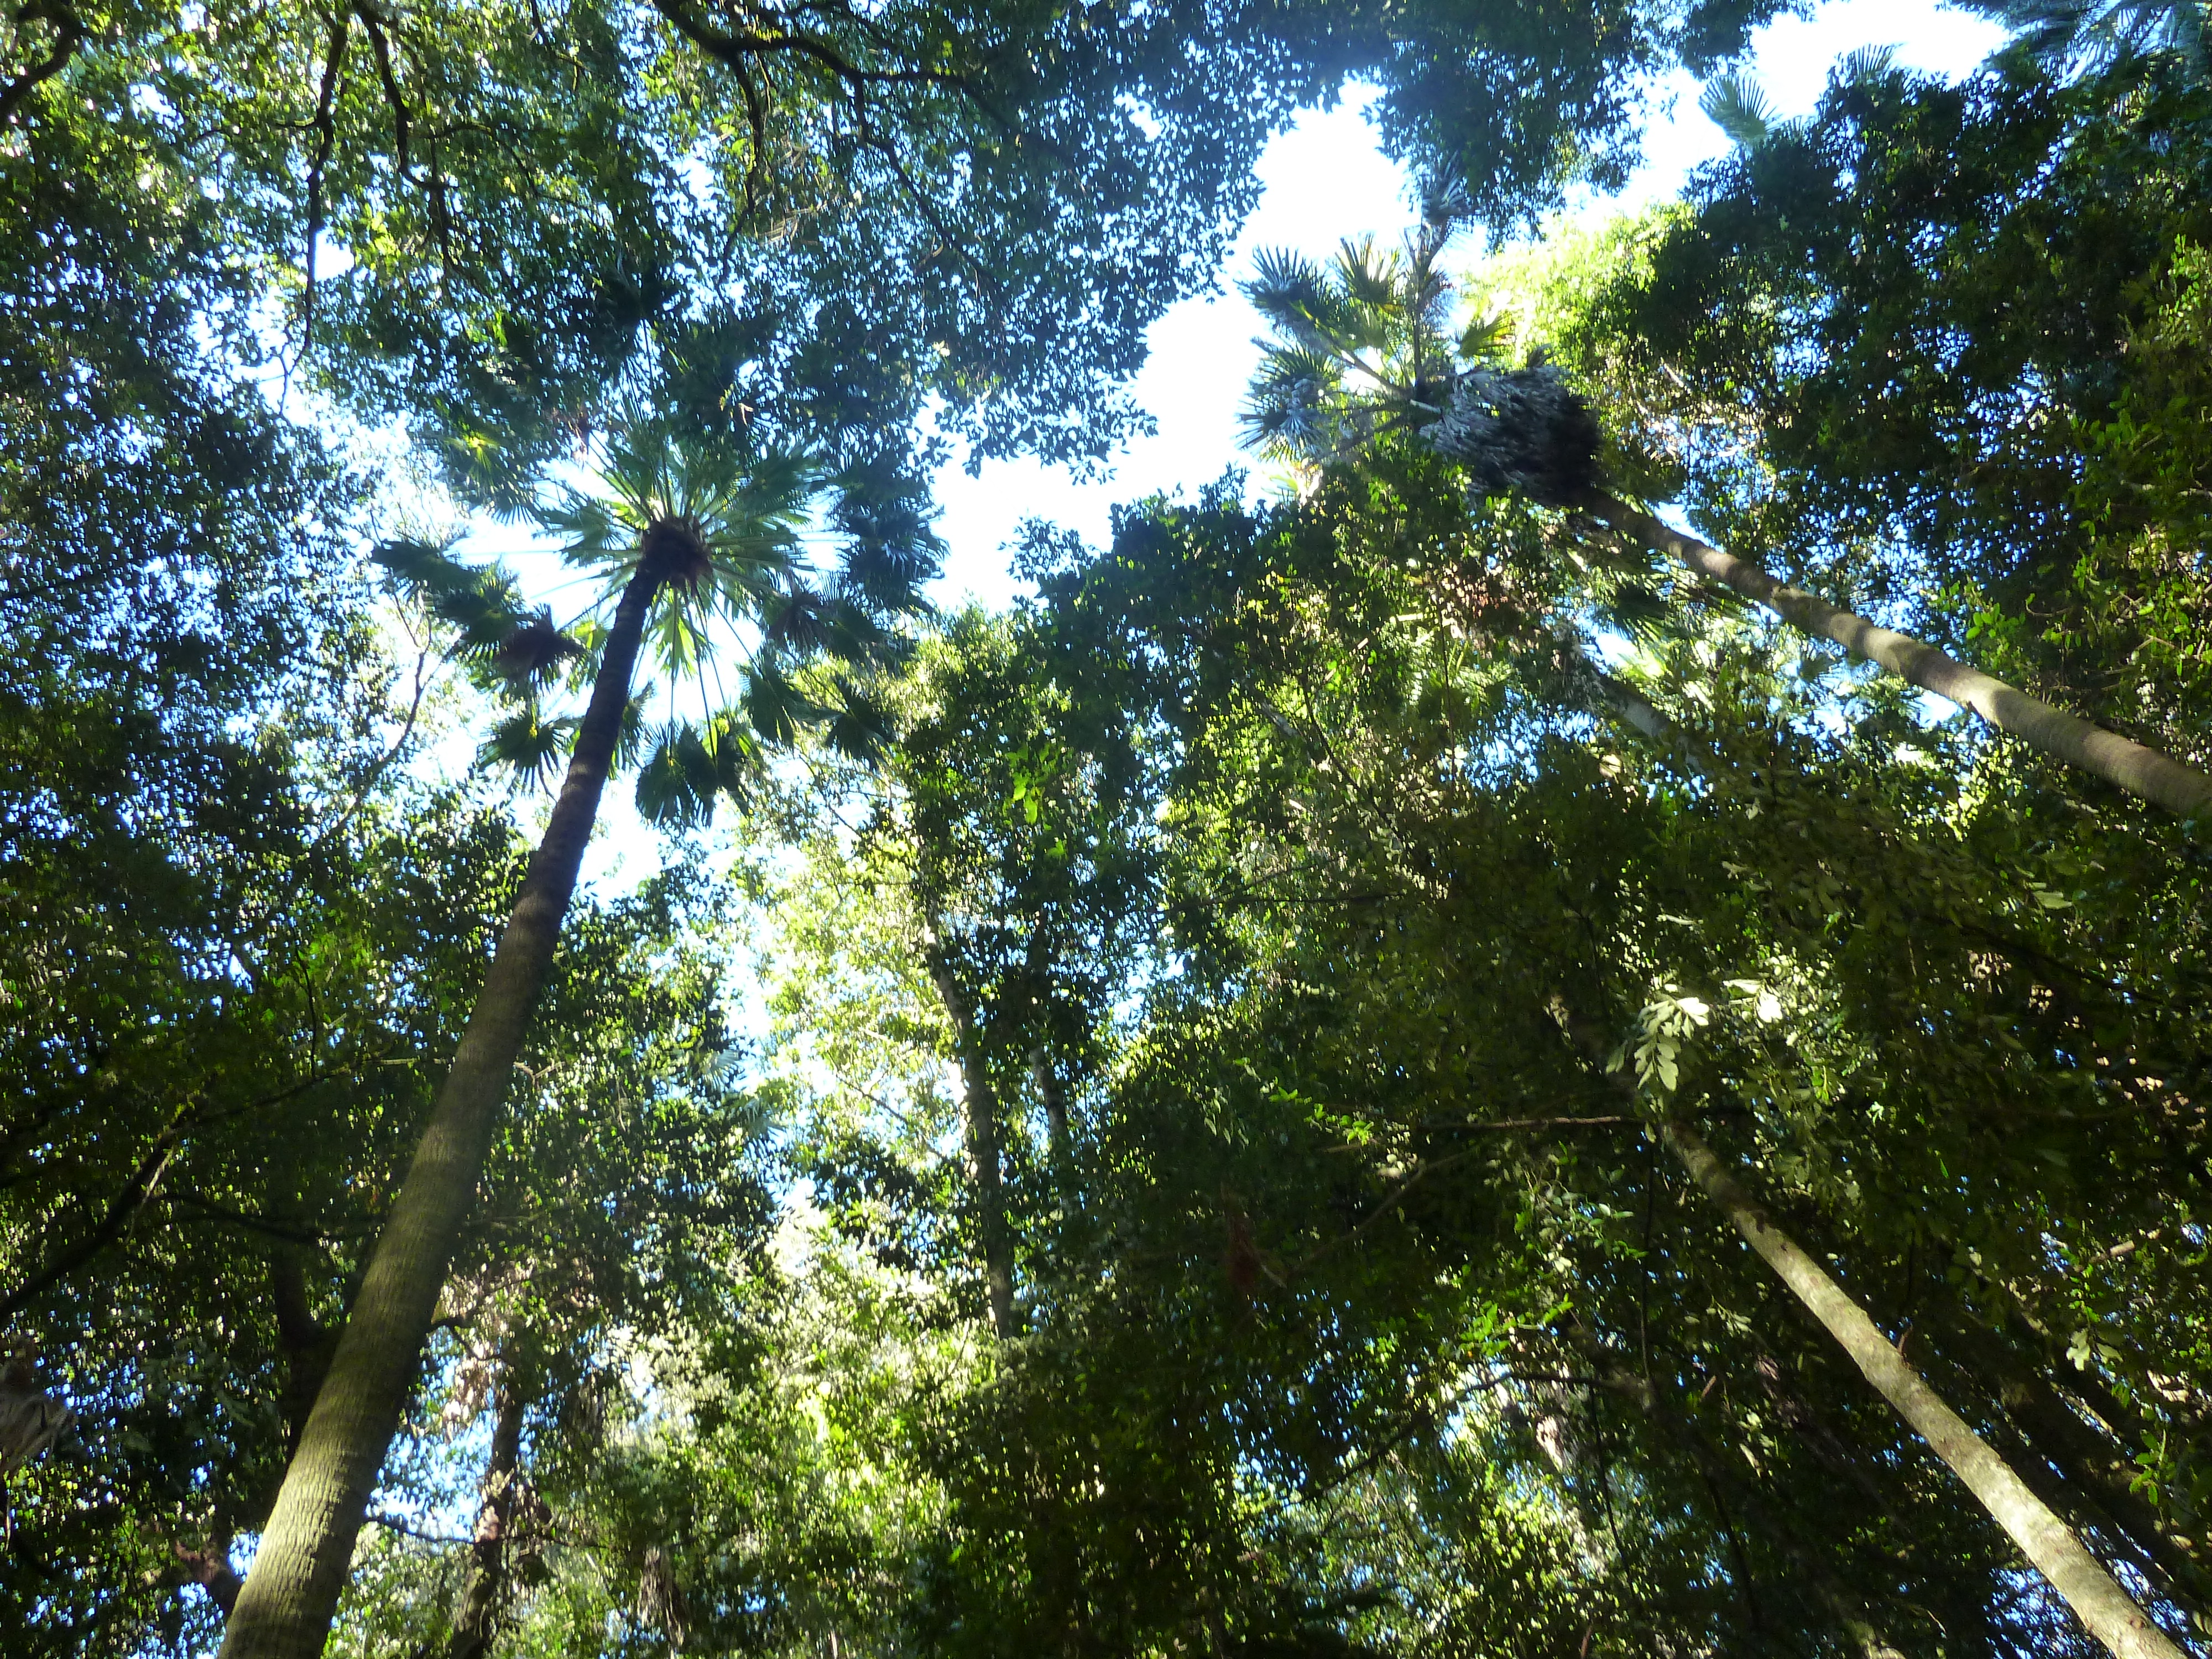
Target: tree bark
306 1343
284 1610
2105 1609
474 1623
2140 770
981 1111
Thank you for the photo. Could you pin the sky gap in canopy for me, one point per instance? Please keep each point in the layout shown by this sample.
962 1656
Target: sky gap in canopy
1323 180
1326 179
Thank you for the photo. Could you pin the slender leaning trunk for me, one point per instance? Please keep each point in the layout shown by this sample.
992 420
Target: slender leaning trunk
2090 1466
474 1622
2105 1609
981 1113
2150 774
292 1591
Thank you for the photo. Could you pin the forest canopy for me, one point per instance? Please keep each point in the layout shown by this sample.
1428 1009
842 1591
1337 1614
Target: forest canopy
1567 1016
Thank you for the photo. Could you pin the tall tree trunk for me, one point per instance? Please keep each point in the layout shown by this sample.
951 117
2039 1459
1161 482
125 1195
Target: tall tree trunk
284 1610
1047 1085
2106 1610
2148 773
473 1622
981 1113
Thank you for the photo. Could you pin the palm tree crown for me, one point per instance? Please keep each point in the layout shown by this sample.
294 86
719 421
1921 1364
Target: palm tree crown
720 530
1360 349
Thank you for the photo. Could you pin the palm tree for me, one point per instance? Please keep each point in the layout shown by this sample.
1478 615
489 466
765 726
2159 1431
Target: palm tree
691 539
1359 351
2093 34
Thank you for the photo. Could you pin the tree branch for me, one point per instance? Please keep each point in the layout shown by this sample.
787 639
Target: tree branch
325 125
68 35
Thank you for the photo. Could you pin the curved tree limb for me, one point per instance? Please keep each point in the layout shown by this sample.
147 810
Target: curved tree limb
68 35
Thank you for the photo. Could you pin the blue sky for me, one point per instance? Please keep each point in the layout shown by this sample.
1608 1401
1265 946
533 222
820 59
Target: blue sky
1323 179
1326 179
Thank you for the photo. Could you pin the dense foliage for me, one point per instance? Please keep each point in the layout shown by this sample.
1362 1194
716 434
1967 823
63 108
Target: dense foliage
1153 1127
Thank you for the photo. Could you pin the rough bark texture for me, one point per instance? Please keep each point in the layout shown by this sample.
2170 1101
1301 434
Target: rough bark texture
2106 1610
474 1622
982 1111
2143 771
284 1610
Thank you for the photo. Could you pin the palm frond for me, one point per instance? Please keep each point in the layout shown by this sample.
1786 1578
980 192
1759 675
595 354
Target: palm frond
797 622
885 515
1486 339
1292 408
592 532
676 784
1866 64
1739 107
1636 610
692 764
482 604
2089 35
1285 286
863 729
531 654
1367 276
527 746
886 575
629 742
485 469
777 709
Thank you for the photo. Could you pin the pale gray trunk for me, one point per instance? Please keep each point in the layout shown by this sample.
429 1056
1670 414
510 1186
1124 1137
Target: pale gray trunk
2105 1609
284 1610
2140 770
981 1111
2095 1469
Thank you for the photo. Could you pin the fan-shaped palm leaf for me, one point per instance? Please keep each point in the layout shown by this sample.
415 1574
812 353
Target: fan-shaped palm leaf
864 727
1866 64
482 604
2089 35
1740 107
527 747
678 783
777 708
